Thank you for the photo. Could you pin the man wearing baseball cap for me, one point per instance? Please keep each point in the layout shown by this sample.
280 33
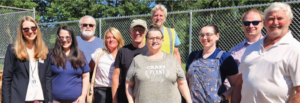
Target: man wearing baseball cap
138 30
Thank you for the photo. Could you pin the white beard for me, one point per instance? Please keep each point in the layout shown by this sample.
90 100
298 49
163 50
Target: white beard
87 34
276 34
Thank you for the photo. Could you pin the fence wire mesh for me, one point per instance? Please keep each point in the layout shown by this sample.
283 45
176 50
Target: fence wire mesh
9 19
228 19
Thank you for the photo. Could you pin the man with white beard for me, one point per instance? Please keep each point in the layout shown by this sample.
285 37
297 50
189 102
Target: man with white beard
270 68
87 42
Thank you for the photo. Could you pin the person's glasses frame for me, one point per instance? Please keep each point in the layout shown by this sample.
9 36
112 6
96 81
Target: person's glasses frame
158 39
139 30
247 23
61 38
207 35
34 28
86 25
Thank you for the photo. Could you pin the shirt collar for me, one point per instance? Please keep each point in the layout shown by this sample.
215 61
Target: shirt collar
246 42
285 40
162 30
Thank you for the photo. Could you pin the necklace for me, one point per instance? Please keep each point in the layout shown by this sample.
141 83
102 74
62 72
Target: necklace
33 66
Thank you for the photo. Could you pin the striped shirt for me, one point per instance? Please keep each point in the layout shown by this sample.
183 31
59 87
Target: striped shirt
238 50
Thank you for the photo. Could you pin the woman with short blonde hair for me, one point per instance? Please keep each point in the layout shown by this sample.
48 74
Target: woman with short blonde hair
113 41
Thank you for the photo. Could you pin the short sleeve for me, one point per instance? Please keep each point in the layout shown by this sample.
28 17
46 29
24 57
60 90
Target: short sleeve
180 73
118 60
95 54
229 65
177 40
86 68
190 60
131 72
294 68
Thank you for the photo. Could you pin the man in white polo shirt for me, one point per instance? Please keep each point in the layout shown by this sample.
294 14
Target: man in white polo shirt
270 68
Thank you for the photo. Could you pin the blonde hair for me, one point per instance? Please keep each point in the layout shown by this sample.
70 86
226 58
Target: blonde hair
159 7
255 11
277 6
116 33
41 50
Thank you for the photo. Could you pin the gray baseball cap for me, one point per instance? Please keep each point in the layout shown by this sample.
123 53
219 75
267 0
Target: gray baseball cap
138 22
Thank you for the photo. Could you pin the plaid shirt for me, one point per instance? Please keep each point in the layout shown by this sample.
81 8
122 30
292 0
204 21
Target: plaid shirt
238 50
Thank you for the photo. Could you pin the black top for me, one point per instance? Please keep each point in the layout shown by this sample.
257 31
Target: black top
124 58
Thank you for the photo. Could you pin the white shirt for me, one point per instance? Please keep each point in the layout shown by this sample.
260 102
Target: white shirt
34 90
269 76
105 68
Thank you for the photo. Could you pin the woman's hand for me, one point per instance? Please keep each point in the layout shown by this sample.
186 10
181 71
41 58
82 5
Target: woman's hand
80 99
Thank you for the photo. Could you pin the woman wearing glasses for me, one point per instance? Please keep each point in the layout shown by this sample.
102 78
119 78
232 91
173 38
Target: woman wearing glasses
27 72
70 71
208 68
103 79
155 75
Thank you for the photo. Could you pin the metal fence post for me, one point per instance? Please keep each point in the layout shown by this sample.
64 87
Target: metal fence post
191 32
33 13
99 27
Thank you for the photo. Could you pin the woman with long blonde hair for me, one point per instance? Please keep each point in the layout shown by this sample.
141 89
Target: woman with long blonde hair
27 73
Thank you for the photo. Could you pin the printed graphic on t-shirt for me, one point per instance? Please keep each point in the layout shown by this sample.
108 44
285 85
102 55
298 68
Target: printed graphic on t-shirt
157 73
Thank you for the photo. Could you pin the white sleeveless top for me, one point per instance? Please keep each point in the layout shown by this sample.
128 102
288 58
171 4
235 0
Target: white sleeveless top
34 90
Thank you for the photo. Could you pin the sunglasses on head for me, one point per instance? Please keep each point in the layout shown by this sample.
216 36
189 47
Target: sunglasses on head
85 25
247 23
61 38
27 29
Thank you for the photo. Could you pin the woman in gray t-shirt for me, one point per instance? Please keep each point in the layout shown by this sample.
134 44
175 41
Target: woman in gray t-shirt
155 75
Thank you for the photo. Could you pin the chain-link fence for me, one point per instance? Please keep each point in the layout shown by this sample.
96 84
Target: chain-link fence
186 23
9 19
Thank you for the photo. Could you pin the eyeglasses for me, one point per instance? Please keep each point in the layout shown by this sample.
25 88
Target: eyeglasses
139 30
158 39
247 23
27 29
206 35
85 25
61 38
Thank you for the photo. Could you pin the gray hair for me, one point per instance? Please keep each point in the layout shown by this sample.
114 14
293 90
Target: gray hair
277 6
86 16
159 7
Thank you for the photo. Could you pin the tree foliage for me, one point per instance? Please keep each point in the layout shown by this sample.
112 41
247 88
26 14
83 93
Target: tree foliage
61 10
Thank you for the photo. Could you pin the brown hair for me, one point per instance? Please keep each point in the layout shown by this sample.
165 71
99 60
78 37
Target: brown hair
41 50
216 31
76 56
154 27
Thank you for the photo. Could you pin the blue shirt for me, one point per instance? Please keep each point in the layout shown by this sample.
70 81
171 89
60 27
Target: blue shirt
67 83
228 66
177 41
89 48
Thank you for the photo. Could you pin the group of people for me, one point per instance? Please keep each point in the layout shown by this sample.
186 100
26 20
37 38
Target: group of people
260 69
